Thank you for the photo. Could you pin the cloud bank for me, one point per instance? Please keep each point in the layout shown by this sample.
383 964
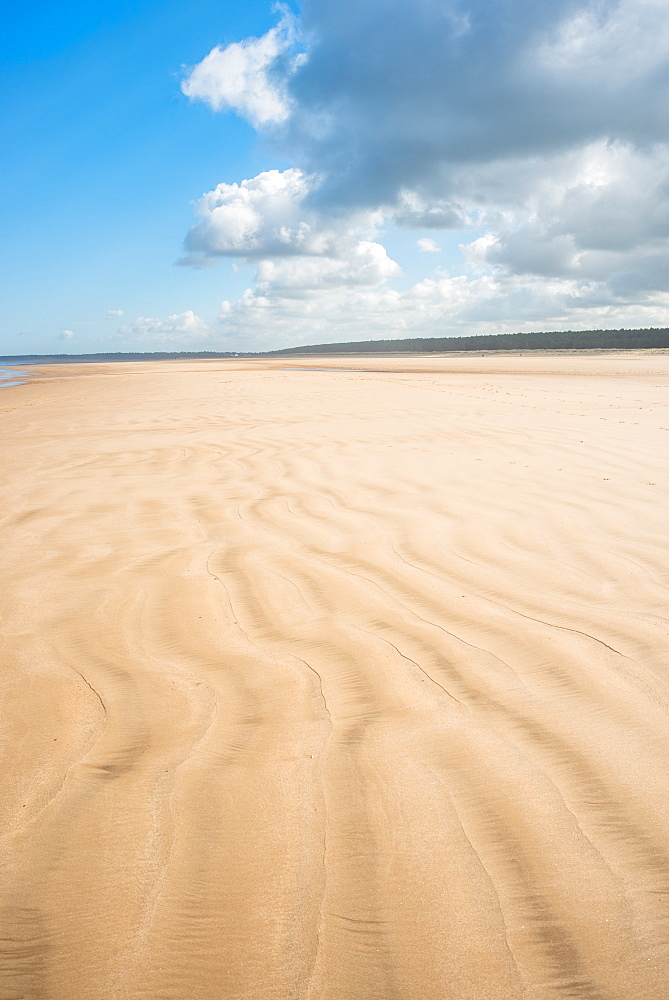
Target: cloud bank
539 132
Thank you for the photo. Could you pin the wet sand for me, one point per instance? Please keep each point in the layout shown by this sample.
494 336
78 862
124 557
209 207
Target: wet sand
335 685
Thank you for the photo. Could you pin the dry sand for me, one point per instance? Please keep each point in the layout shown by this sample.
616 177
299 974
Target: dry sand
336 685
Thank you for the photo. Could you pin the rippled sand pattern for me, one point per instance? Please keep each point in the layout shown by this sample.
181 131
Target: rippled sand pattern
323 685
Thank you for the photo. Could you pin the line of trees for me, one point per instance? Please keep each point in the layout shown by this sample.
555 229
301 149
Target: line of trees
570 340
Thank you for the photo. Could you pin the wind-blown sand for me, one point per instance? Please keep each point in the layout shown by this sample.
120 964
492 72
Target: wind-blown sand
336 685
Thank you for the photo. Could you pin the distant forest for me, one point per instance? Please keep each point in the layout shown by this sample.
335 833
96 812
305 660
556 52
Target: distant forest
581 340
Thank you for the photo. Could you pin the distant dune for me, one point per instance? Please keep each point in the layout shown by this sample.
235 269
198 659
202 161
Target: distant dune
335 684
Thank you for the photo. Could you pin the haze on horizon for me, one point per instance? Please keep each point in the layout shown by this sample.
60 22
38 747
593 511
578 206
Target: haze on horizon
228 177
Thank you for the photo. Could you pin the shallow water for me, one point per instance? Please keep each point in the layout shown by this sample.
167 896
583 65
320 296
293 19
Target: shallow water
8 376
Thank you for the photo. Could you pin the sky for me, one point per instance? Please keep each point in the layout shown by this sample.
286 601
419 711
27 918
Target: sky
240 177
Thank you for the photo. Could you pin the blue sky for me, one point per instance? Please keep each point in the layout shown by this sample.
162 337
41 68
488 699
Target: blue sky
227 177
103 159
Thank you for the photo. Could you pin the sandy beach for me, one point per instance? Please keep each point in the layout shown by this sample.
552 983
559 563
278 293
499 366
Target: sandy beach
329 684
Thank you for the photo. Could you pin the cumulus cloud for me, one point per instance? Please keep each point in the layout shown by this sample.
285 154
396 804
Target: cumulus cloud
540 133
367 264
249 76
179 328
268 216
595 213
66 335
426 245
298 248
262 216
115 312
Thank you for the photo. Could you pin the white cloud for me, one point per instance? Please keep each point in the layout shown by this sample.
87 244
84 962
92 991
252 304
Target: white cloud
632 35
426 245
115 312
593 214
249 76
261 216
180 328
270 215
262 321
367 264
66 335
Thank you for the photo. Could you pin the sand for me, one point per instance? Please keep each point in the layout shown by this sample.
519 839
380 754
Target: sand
336 685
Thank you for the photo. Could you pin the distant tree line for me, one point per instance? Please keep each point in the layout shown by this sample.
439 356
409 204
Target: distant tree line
570 340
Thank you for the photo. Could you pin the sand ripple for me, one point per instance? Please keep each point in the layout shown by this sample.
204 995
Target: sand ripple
329 685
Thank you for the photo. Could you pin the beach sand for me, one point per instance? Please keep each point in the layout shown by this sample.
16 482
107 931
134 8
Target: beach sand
336 685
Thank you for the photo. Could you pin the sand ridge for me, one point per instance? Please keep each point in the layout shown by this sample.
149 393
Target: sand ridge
336 684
